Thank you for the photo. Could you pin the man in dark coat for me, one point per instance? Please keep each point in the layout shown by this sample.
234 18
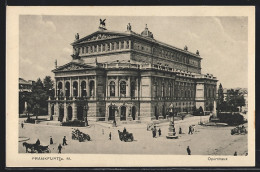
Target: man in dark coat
59 148
22 124
188 150
124 131
180 131
51 141
190 131
64 141
110 136
159 132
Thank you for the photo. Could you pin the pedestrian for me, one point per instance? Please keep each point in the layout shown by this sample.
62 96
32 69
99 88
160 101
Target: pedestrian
115 123
159 132
110 136
22 124
235 154
154 133
190 132
188 150
180 131
51 141
102 131
59 148
64 141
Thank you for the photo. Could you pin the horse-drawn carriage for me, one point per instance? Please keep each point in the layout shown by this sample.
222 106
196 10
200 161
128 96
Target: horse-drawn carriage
238 130
78 135
35 148
125 136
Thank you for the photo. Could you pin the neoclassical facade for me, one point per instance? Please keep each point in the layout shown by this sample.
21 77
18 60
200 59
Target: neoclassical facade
128 76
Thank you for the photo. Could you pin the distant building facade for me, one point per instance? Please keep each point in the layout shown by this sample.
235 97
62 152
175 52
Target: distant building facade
128 76
25 89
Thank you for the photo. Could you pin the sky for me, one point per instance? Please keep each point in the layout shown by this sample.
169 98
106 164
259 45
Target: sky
221 41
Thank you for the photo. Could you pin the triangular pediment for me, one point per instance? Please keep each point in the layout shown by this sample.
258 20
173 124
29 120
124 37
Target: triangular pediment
100 35
72 66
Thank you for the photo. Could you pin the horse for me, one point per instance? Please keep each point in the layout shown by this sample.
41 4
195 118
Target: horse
28 145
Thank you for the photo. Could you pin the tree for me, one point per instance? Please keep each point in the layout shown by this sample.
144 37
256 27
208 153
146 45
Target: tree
235 99
48 86
37 101
220 100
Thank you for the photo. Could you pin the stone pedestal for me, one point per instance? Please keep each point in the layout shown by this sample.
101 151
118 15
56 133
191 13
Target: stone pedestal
171 132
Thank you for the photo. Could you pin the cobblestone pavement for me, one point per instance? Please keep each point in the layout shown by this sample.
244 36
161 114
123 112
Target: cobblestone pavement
206 140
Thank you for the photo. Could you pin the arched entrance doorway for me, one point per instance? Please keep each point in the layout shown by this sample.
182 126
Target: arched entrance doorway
80 113
61 114
133 112
123 113
155 112
163 112
52 110
69 113
111 115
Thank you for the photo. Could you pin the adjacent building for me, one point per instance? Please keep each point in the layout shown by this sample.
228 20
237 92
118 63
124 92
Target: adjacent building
128 76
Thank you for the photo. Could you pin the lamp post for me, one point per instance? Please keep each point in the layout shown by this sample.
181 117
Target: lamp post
86 114
172 112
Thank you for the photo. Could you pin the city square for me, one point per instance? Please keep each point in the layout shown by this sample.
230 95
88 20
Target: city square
206 140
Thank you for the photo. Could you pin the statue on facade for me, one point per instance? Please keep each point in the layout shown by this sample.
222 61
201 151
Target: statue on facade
75 55
197 52
77 36
129 28
185 48
102 24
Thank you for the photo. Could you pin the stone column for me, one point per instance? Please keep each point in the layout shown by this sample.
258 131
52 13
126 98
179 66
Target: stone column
128 88
87 86
124 44
74 111
110 46
65 112
78 88
107 113
117 87
49 109
70 88
129 44
119 45
63 87
101 47
55 87
56 112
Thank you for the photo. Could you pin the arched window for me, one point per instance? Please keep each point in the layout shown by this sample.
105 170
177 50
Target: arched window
155 89
83 89
133 89
103 47
99 48
117 46
112 89
123 89
75 88
92 88
163 91
67 89
170 89
59 89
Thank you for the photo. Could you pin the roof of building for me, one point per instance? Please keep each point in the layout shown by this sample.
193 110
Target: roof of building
23 81
145 35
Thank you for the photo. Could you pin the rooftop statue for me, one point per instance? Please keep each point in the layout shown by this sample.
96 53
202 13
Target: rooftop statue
77 36
197 52
129 28
102 24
